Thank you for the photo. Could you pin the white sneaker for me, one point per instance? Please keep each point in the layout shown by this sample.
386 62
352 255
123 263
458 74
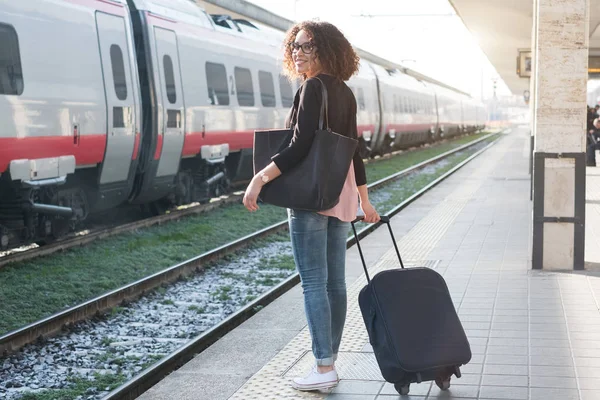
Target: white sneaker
316 381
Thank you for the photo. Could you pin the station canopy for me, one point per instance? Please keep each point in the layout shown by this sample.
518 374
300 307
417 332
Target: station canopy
503 30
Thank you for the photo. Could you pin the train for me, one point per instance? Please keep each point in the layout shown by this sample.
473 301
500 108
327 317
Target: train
106 103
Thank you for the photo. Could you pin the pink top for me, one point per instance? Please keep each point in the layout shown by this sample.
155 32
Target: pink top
346 209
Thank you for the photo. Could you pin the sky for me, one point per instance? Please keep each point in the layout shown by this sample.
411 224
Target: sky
424 35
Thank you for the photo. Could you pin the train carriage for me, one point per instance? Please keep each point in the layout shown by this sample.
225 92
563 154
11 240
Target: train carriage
112 102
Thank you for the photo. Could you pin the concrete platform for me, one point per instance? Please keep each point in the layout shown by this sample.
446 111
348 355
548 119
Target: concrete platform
534 335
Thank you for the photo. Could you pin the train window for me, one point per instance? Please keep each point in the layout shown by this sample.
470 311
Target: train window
361 99
118 71
267 89
243 85
287 94
216 80
170 79
11 74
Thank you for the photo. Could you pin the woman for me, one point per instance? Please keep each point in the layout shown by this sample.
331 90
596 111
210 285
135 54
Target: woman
320 50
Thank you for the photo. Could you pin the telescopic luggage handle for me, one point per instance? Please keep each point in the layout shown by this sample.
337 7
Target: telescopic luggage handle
386 220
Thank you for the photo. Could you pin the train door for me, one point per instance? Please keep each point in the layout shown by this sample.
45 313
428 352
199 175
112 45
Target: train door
120 105
171 128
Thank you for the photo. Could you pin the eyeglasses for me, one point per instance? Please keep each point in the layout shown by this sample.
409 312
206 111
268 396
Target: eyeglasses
307 47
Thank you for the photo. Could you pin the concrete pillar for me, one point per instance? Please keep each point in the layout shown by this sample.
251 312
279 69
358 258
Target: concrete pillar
561 58
533 97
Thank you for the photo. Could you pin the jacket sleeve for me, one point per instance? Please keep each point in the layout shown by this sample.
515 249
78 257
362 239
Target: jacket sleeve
359 166
309 107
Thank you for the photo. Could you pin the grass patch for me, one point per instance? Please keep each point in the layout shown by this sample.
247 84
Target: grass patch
79 387
381 169
385 199
37 288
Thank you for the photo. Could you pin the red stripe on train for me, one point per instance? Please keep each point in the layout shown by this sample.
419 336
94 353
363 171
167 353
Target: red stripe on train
90 149
237 139
159 145
136 146
409 127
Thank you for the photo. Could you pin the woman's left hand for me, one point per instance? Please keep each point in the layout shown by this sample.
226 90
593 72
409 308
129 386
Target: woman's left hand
251 195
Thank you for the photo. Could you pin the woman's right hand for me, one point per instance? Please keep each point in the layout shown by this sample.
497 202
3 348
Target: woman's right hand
371 215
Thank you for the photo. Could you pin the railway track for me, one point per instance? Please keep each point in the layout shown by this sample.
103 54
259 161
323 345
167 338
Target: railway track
85 237
53 324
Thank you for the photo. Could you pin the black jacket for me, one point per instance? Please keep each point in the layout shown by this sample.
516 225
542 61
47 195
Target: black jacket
305 114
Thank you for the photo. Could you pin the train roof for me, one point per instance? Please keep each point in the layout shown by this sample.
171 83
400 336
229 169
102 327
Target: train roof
193 13
178 10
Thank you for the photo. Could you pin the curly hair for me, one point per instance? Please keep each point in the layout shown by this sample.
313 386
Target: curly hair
335 53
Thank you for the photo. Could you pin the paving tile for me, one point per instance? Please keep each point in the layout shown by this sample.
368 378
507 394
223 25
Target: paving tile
579 352
590 394
511 312
358 387
554 351
549 343
469 325
587 362
542 320
505 380
477 358
345 396
471 368
507 350
558 371
511 318
473 311
549 335
510 326
589 383
455 391
503 369
504 392
553 382
575 336
585 327
553 394
475 318
466 379
509 334
551 360
507 359
496 341
588 372
585 344
548 327
510 306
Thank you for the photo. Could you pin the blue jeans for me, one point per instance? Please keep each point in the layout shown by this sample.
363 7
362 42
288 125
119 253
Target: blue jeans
319 246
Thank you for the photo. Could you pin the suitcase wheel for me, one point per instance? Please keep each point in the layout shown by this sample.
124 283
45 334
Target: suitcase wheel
402 389
443 383
457 372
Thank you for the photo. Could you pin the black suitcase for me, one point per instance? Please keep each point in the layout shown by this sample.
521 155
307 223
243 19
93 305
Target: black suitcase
412 325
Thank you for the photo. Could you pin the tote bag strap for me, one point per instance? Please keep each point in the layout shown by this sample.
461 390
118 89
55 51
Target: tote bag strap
323 113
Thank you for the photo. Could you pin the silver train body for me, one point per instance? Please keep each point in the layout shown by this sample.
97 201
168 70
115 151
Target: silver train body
154 102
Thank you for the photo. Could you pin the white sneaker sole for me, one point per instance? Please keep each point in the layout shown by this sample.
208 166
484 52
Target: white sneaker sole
315 386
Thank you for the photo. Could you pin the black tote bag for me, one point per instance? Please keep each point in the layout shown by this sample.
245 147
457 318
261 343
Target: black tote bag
316 182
